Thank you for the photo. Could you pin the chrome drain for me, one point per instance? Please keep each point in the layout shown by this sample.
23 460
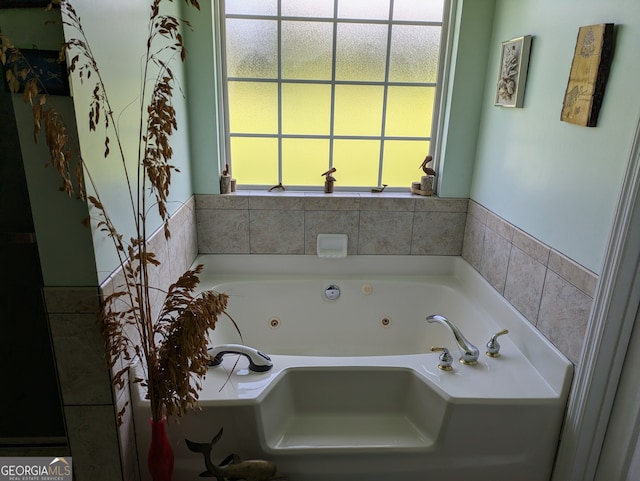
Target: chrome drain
332 292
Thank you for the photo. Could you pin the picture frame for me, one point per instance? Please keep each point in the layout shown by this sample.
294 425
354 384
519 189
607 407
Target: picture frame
24 3
588 75
512 72
53 74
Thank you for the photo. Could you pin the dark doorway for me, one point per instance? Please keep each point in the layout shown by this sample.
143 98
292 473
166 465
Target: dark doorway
30 406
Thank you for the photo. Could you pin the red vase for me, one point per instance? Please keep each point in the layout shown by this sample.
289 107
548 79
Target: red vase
160 459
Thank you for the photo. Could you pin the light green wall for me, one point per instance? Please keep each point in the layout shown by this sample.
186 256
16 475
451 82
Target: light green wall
64 243
65 246
468 66
117 33
202 92
555 180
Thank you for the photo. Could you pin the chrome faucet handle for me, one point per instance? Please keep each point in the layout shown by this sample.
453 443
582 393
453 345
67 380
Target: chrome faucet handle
444 358
493 347
468 352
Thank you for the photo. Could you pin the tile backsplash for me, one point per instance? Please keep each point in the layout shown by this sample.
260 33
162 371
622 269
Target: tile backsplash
288 223
554 293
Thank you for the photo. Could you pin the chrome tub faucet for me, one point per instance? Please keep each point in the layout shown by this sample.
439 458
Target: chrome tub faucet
468 352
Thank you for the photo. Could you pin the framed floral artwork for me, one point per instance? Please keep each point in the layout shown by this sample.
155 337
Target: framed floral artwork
512 73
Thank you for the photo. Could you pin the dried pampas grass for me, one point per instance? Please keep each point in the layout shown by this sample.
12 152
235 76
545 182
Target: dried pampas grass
172 346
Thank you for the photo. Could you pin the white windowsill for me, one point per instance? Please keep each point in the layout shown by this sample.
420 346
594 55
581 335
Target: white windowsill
342 194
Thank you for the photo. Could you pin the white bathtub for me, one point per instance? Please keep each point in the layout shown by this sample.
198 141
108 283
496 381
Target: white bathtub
355 392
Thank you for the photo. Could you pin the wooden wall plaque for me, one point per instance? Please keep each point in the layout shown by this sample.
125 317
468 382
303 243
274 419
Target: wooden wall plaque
589 73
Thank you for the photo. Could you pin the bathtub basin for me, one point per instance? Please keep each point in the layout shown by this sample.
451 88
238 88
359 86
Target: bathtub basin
355 392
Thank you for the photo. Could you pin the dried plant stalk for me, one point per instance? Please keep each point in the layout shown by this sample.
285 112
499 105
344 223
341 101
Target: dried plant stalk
172 347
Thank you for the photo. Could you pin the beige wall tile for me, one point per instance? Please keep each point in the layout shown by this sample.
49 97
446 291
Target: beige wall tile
82 368
435 204
183 243
580 277
94 443
221 201
500 226
478 211
276 231
564 314
160 276
402 204
531 246
276 202
323 202
438 233
223 231
495 259
473 242
525 280
384 232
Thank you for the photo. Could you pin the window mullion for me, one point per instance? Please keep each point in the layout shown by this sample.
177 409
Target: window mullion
385 94
279 30
333 81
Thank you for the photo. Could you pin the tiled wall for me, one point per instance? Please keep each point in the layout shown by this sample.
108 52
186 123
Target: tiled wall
84 381
102 450
554 293
288 223
550 290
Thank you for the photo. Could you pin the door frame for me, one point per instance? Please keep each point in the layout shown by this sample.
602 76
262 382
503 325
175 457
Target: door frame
613 316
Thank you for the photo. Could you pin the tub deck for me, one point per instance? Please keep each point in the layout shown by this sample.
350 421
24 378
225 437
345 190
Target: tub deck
352 396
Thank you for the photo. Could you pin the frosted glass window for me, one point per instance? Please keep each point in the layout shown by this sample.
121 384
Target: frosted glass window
251 7
306 109
253 107
424 10
361 52
315 84
358 110
409 111
307 8
304 160
307 49
401 161
255 160
356 162
364 9
415 53
252 48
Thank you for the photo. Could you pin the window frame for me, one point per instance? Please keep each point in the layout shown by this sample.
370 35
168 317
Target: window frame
439 107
